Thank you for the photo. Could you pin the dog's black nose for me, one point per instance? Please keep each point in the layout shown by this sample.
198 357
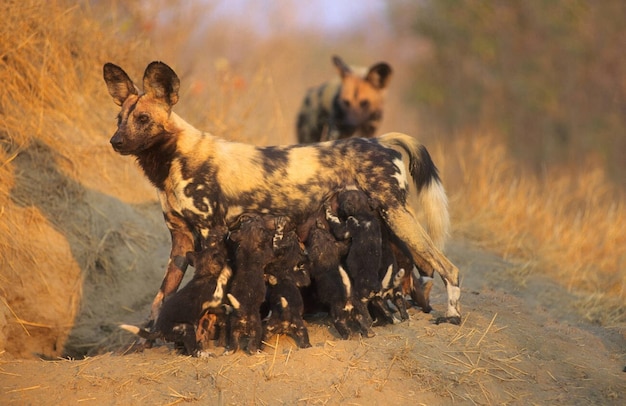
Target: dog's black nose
116 141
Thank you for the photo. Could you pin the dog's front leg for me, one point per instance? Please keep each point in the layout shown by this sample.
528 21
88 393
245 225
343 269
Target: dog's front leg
182 242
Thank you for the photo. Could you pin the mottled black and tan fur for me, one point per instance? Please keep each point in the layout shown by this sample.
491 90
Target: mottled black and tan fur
350 105
203 180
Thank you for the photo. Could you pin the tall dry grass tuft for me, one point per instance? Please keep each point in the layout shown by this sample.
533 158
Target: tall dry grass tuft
568 222
59 179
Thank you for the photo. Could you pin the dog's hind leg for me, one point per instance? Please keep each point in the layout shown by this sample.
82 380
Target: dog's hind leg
427 256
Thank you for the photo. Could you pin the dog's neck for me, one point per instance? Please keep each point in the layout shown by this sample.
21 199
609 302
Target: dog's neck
156 161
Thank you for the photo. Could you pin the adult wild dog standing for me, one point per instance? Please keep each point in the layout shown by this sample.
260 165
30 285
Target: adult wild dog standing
203 180
350 105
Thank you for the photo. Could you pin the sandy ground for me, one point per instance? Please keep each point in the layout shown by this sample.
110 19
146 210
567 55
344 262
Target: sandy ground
518 344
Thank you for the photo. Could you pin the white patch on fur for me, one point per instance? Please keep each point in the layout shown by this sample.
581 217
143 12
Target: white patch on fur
283 302
331 217
206 354
400 175
186 202
434 202
387 278
233 301
354 220
132 329
397 279
454 294
218 294
346 280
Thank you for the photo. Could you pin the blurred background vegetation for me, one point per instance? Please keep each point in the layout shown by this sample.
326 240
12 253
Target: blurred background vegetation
547 75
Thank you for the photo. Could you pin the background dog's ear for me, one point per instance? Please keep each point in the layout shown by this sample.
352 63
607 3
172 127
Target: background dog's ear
379 75
161 82
191 258
344 69
119 84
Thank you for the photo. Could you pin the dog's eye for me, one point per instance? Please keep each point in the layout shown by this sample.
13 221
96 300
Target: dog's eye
143 118
346 102
365 104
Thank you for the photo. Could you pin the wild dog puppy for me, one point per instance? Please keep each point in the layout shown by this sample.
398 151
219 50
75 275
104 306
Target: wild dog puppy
285 275
247 290
181 313
332 282
351 105
203 180
358 223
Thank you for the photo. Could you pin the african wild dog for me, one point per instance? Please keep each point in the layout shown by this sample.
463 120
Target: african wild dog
370 262
350 105
357 222
285 275
204 180
247 290
332 282
181 313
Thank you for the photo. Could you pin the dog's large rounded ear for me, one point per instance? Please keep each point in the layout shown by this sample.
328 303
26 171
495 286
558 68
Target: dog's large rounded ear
161 82
119 84
379 75
342 67
191 258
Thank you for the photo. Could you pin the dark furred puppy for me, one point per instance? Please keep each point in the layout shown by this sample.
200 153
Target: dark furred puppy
285 275
370 262
247 291
332 282
357 222
350 105
181 313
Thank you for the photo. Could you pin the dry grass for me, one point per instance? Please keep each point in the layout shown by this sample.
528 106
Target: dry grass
53 161
567 223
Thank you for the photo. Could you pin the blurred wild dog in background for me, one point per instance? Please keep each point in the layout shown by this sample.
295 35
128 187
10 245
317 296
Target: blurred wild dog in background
351 105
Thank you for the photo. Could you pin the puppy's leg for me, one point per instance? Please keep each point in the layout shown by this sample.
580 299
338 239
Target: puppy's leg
363 319
300 333
339 315
381 311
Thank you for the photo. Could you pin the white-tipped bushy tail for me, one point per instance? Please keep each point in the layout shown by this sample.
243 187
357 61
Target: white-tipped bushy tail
434 202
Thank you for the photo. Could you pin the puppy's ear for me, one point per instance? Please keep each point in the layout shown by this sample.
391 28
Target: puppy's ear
191 258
